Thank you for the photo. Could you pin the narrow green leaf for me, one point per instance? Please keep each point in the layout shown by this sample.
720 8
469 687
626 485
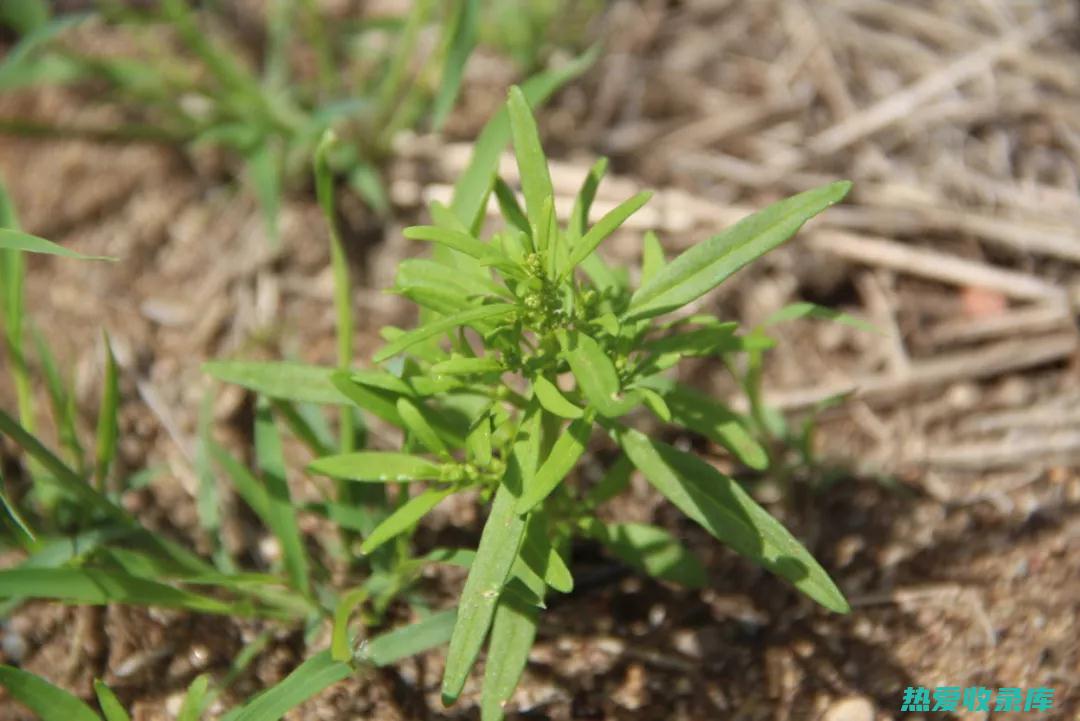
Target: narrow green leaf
264 172
377 467
22 530
393 646
719 424
49 702
812 310
308 679
461 242
99 587
532 165
11 239
458 366
419 427
478 442
565 454
191 708
495 556
656 403
283 380
281 514
108 425
464 27
579 216
696 342
340 650
245 483
474 184
650 549
110 705
652 257
438 327
511 209
63 402
544 565
596 375
512 634
707 264
404 518
553 401
605 227
726 511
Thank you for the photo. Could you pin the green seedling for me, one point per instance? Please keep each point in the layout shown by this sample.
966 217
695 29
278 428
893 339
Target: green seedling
529 345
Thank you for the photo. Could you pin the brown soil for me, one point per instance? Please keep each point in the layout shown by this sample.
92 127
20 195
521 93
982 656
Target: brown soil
953 523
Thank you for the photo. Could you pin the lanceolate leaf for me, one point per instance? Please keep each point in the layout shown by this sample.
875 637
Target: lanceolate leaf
707 264
499 543
438 327
512 634
535 177
472 188
418 426
108 426
553 400
812 310
726 511
595 374
401 643
652 257
377 467
563 457
49 702
713 420
605 227
283 380
405 517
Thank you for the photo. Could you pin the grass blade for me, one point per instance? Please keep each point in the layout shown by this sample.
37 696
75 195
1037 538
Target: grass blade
465 27
110 705
725 510
108 428
707 264
191 708
17 240
49 702
309 678
99 587
281 514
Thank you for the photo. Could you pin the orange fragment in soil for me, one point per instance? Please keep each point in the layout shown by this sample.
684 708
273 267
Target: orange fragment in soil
982 303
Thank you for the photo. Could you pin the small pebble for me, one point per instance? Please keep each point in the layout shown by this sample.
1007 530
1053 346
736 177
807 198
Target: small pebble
852 708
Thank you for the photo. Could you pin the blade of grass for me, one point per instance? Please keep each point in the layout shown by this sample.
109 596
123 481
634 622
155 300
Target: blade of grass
309 678
49 702
110 705
281 513
108 424
17 240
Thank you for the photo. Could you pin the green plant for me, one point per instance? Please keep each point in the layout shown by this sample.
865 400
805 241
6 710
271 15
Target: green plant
517 361
190 80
